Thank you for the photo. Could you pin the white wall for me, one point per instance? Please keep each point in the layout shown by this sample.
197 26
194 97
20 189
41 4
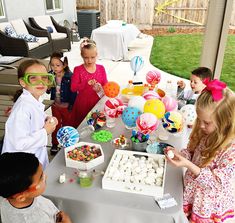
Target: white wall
28 8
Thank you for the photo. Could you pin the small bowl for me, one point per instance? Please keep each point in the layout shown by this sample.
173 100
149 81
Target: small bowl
157 148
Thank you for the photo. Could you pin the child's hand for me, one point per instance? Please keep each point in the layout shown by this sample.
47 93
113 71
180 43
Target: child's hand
62 217
181 84
92 82
50 124
177 160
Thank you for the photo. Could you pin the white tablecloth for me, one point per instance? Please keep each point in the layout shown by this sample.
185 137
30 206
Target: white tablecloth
112 42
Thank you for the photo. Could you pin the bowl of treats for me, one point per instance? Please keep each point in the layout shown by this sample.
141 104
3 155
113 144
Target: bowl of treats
84 155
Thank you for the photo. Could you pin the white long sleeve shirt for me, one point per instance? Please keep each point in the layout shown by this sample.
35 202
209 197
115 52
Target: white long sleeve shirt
24 130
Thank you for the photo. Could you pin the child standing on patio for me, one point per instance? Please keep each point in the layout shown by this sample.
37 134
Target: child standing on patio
22 181
210 157
61 94
196 84
87 81
27 127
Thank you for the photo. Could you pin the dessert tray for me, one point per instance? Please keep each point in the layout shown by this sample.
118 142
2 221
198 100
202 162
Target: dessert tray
136 172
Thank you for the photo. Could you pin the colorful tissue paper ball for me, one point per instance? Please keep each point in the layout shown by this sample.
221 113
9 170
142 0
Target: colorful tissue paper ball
129 116
151 95
189 114
114 107
170 103
111 89
156 107
153 77
137 63
67 136
172 121
147 123
137 102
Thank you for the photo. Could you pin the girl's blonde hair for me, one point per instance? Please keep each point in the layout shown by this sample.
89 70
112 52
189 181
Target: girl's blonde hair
223 116
87 44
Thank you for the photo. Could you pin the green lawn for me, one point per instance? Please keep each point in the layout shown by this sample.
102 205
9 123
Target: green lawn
180 54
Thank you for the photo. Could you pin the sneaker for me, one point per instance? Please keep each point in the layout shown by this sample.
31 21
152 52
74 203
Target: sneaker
54 149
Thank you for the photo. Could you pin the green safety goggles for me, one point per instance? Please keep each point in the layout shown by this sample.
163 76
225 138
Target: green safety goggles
33 79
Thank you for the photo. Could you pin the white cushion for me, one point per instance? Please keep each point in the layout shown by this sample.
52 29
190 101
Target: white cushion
3 25
44 21
32 45
42 40
19 26
58 35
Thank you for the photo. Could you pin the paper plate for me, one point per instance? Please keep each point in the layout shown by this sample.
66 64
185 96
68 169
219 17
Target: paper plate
67 136
157 148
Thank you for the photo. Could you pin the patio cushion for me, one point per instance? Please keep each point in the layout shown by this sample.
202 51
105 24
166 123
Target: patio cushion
45 21
58 35
42 40
28 37
49 29
3 26
19 26
33 45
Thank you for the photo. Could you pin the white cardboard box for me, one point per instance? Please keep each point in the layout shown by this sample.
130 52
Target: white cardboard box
80 164
130 186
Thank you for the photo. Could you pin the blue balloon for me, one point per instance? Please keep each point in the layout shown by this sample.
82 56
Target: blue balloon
67 136
129 116
137 63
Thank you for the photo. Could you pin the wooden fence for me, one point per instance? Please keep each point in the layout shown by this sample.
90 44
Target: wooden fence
150 13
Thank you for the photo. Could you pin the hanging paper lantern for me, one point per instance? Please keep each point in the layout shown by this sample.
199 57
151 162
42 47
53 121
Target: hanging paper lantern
67 136
114 107
129 116
111 89
172 121
189 114
170 103
156 107
147 123
137 63
153 77
151 95
137 102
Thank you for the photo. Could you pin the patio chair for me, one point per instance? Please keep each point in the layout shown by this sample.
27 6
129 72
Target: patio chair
59 35
14 46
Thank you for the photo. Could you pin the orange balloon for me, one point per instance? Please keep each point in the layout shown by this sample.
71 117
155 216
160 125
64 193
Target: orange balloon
111 89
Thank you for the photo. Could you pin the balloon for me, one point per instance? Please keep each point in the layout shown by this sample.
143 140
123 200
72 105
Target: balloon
137 64
153 77
111 89
113 107
147 123
67 136
170 103
172 121
151 95
156 107
129 116
137 102
189 114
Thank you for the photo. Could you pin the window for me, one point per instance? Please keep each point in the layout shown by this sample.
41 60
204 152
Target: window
53 5
2 12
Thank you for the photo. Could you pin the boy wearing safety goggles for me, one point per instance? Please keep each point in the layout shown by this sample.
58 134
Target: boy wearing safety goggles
27 127
22 182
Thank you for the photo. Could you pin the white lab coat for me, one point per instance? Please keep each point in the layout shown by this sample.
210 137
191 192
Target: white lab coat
24 130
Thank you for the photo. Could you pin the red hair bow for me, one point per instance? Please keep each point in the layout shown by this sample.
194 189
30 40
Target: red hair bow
215 87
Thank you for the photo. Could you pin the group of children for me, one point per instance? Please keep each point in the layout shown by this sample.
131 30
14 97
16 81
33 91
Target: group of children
209 157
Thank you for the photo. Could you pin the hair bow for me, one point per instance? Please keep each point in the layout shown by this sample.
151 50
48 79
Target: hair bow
215 87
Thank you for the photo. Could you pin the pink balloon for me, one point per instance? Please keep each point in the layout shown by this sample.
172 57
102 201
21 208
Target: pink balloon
170 103
153 76
147 123
114 107
151 95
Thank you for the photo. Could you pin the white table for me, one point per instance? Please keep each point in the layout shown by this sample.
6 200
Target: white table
94 204
112 42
